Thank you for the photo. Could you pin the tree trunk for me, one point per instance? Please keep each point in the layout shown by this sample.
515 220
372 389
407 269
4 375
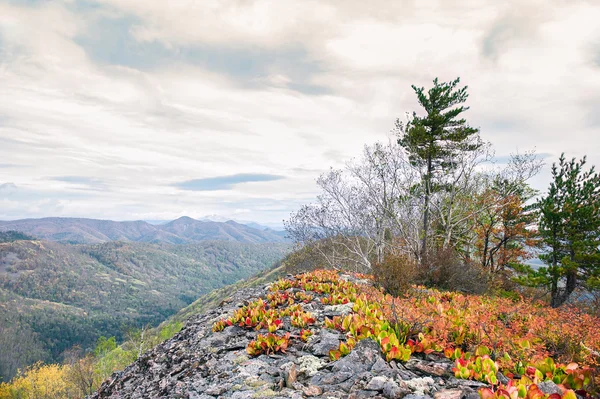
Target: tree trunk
554 297
426 210
502 263
560 298
571 283
484 259
571 277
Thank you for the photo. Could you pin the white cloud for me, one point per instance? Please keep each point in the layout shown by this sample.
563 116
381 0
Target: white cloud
197 90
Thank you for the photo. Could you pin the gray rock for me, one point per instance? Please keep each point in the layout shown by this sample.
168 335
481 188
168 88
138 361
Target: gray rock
338 310
455 382
420 385
502 378
362 358
376 383
326 341
380 366
363 394
217 389
325 378
440 368
549 387
194 395
309 365
448 394
406 375
242 395
392 390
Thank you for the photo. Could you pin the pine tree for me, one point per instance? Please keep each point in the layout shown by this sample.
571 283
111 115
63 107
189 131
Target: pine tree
570 228
435 140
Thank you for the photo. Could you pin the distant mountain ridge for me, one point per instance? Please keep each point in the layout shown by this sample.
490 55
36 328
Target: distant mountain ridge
184 230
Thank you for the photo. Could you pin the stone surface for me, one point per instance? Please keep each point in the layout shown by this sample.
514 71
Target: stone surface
312 390
324 342
440 368
362 358
417 396
421 385
309 365
376 383
549 387
392 390
448 394
198 363
338 310
291 376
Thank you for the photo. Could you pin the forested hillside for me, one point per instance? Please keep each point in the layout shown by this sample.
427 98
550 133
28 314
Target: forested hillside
180 231
54 296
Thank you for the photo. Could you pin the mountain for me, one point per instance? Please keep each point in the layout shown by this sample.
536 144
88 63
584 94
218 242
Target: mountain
55 295
197 230
180 231
258 226
79 230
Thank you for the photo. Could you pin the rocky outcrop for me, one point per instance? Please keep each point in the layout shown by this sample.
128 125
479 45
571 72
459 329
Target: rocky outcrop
201 364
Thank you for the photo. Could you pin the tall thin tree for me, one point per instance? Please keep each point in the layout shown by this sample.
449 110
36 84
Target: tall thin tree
435 140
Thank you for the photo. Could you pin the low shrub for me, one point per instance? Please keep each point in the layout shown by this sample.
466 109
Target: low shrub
395 273
447 269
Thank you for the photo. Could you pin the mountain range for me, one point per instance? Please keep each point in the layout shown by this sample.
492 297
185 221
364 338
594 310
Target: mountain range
183 230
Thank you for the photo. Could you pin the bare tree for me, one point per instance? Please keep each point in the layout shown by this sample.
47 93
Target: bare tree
452 200
361 208
391 186
339 220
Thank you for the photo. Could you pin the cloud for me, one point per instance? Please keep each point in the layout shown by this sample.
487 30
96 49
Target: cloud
10 165
509 30
82 182
596 54
504 159
110 39
138 94
225 182
8 187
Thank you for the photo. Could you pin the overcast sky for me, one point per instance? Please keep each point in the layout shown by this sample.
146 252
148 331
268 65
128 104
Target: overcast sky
147 109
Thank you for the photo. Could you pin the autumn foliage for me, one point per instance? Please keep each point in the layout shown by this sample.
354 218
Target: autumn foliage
41 381
527 342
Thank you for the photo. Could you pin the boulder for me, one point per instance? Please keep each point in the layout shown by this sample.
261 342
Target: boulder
362 358
324 342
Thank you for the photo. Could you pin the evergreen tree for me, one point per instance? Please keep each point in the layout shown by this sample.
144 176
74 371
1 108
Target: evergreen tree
436 139
570 228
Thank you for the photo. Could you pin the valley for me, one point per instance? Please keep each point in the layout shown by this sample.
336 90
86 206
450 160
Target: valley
55 295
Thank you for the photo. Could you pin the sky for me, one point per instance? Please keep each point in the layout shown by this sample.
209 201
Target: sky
146 109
